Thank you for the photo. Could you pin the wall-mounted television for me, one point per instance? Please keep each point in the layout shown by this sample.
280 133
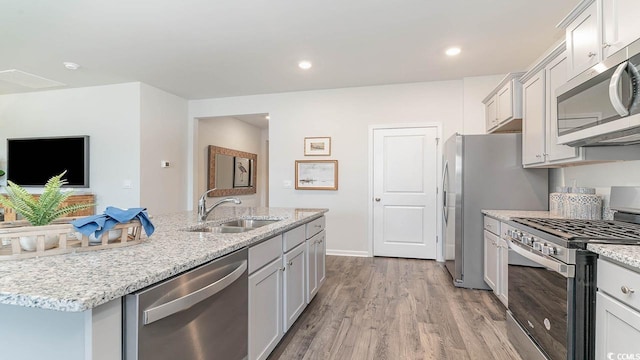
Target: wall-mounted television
33 161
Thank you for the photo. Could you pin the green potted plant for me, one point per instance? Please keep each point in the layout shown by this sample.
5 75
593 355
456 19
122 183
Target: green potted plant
42 210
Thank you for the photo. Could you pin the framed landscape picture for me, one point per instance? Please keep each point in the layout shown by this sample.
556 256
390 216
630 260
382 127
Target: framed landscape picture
316 174
317 146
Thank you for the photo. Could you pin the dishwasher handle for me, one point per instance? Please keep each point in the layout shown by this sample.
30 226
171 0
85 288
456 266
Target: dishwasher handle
187 301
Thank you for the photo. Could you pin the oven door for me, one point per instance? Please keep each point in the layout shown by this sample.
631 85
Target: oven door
539 289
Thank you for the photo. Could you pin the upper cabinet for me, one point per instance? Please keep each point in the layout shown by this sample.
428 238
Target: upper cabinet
540 129
503 106
596 29
583 41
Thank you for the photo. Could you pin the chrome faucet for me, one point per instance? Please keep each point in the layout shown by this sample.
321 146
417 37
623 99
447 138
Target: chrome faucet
203 212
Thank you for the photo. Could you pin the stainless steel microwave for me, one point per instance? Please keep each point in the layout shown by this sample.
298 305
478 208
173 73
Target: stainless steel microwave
601 106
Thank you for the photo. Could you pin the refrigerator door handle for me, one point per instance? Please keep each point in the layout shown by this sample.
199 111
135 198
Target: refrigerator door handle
445 200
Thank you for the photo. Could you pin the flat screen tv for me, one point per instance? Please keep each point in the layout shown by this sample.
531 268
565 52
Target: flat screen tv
33 161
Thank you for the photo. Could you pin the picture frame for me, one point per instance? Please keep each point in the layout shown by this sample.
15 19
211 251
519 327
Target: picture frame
317 146
241 172
316 174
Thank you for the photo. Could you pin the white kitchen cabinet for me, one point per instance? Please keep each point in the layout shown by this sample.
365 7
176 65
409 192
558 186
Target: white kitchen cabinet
619 24
315 264
503 269
540 128
503 106
316 252
496 258
533 119
540 146
583 41
596 29
491 260
617 312
491 112
279 277
294 263
265 297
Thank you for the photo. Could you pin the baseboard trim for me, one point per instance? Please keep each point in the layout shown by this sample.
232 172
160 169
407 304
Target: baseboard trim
347 253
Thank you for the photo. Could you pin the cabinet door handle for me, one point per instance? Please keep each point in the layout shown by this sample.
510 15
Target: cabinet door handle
377 199
605 45
591 54
626 290
290 263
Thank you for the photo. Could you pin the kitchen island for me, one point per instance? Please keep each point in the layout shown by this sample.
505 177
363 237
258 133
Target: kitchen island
65 304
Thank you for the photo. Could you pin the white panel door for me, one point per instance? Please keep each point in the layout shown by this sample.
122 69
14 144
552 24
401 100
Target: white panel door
404 189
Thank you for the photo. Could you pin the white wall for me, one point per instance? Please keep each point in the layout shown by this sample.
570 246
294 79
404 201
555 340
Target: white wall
599 176
163 136
344 115
108 114
131 126
235 134
475 90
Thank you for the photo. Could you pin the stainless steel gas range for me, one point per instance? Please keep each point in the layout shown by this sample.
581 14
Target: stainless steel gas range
552 278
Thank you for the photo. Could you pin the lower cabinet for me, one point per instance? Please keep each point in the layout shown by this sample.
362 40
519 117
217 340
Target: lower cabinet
285 273
315 264
617 312
265 310
491 259
294 284
496 258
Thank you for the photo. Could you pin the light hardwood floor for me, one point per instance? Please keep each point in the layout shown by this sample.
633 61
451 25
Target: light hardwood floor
396 309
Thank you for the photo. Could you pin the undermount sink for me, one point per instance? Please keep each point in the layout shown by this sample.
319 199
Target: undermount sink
248 223
220 229
233 226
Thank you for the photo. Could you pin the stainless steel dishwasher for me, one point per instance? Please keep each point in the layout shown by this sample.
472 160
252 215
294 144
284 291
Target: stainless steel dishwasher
200 314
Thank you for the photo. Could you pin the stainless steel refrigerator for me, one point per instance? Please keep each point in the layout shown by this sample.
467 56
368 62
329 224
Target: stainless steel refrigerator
483 172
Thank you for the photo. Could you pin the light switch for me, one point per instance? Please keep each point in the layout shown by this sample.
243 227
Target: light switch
164 164
126 184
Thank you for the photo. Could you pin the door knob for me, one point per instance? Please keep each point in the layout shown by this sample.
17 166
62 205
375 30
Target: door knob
378 199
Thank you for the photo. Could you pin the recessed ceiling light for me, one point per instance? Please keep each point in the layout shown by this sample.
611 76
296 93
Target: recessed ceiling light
304 65
71 65
453 51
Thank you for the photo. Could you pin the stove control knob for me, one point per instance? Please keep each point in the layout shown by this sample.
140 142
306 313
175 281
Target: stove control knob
510 233
549 250
537 245
528 240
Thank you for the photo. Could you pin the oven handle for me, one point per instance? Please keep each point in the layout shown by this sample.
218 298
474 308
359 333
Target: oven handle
565 270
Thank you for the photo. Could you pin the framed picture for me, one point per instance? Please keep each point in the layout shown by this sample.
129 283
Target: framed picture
317 146
241 172
316 174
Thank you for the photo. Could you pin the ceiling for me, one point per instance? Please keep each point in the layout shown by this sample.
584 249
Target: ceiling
219 48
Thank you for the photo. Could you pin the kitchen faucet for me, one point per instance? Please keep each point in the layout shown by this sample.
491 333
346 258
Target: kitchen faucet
203 212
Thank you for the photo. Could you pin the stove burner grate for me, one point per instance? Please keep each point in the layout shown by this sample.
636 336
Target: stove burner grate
576 229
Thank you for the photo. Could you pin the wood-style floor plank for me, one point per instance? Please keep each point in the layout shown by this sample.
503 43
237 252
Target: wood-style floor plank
396 309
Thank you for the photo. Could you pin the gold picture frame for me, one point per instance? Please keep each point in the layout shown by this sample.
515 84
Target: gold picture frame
317 146
316 174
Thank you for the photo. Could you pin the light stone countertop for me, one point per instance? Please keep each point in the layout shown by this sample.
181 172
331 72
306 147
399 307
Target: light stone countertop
507 215
81 281
628 255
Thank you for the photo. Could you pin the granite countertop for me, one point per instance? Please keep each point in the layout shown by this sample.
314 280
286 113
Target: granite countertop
507 215
81 281
628 255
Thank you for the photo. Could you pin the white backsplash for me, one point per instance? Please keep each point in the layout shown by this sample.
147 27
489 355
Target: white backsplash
599 176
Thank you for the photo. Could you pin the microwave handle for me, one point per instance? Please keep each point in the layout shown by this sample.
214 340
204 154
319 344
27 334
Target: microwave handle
613 90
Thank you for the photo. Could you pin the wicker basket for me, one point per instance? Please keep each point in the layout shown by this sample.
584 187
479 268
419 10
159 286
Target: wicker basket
68 240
